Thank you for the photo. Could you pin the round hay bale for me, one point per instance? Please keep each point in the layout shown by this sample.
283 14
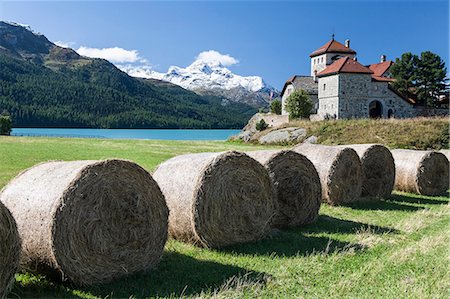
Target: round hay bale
378 169
421 172
88 221
9 250
446 152
339 170
297 186
217 199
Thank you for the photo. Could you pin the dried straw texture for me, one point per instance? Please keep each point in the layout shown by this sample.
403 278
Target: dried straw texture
378 169
9 250
88 221
217 199
339 170
446 153
421 172
297 186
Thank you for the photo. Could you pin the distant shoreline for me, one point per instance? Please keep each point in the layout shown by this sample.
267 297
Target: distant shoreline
144 134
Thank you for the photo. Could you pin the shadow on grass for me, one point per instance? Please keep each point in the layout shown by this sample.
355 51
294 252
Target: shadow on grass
418 199
289 243
382 205
330 224
176 275
39 286
296 241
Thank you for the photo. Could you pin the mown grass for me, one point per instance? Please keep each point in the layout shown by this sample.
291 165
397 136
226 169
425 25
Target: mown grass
415 133
397 247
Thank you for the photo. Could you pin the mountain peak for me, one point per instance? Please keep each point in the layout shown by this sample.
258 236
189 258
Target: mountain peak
201 64
21 40
210 76
24 26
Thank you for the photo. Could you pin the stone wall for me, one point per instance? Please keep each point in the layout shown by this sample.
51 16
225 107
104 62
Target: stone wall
393 105
328 90
422 111
286 94
350 95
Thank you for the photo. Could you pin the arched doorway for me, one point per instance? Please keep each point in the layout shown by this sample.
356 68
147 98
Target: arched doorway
375 109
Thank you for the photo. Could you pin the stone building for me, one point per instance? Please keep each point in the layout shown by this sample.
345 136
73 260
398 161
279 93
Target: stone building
306 83
342 88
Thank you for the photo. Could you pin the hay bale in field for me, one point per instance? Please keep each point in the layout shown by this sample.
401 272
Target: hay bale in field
339 170
217 199
9 250
297 186
421 172
378 169
88 221
446 152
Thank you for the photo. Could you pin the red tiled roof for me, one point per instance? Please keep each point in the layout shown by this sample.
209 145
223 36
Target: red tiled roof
345 65
379 69
382 79
332 47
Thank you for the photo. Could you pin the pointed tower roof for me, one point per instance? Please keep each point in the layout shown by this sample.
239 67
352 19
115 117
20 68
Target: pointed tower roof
332 46
345 65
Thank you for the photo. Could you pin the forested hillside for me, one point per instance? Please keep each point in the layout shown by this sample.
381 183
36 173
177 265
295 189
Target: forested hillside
43 85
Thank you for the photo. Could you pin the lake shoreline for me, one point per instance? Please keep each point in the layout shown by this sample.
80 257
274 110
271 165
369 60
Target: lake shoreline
137 134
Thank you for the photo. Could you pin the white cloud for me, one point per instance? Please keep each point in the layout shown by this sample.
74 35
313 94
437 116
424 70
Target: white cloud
114 55
64 44
214 56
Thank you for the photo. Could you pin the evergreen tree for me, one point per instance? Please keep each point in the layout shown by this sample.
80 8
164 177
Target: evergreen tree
5 123
298 104
430 78
404 73
420 78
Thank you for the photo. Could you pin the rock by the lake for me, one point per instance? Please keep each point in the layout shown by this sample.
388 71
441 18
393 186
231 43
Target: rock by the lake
249 132
284 136
245 136
311 139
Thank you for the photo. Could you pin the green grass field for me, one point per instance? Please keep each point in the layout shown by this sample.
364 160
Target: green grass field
394 248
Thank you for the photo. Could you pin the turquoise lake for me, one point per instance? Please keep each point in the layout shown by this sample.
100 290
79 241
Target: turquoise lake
151 134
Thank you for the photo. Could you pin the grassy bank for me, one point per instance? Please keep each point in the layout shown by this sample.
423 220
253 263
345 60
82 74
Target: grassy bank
396 247
416 133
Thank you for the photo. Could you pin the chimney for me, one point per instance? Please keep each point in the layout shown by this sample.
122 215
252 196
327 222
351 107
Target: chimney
383 58
347 43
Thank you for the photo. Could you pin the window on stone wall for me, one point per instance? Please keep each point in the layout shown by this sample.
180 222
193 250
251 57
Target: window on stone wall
324 86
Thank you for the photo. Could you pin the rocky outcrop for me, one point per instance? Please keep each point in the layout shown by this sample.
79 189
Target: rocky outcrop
250 133
286 135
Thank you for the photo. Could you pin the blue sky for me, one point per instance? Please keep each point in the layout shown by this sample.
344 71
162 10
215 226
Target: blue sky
271 39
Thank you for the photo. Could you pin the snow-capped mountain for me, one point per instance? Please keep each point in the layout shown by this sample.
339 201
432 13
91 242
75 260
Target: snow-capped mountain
212 78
